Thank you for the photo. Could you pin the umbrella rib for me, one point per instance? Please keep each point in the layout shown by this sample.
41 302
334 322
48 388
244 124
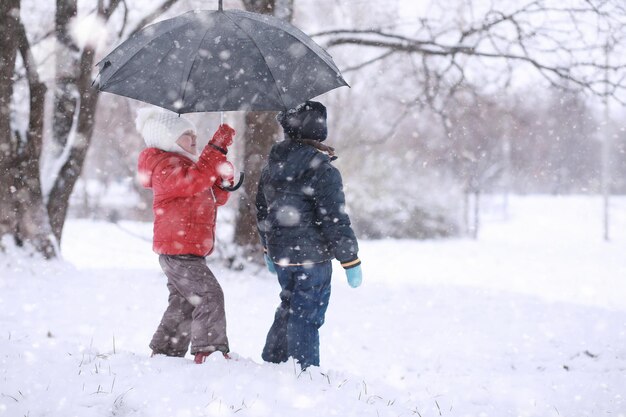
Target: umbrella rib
191 66
167 32
155 67
262 56
252 16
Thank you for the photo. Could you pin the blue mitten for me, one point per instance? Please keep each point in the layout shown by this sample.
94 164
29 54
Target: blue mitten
269 263
355 276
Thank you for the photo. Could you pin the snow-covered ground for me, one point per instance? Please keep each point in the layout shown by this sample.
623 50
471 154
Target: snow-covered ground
530 320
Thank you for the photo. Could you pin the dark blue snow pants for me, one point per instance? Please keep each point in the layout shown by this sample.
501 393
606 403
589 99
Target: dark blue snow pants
304 300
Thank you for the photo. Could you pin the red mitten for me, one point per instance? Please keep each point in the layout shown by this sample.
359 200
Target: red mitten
226 171
223 137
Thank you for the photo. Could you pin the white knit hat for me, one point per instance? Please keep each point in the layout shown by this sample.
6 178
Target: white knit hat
161 128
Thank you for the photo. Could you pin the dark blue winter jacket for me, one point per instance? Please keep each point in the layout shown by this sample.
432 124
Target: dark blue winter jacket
301 208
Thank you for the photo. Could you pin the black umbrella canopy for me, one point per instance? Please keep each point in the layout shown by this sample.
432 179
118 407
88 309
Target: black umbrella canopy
219 60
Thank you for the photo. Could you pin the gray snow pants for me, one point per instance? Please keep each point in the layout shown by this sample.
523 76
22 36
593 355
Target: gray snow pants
195 312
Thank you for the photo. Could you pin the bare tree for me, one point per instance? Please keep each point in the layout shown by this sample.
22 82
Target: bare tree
485 47
28 213
476 156
561 41
556 146
22 213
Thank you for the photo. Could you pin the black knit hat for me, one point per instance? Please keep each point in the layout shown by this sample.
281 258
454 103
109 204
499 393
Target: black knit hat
305 121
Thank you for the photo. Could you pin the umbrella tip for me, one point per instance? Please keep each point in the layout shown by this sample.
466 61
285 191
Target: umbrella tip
219 5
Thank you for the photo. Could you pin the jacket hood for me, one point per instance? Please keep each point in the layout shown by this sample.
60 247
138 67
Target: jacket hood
306 121
289 160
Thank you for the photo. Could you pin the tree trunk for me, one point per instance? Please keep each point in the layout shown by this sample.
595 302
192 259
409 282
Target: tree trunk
261 132
9 13
73 93
23 214
283 9
260 6
33 223
65 94
76 117
476 226
59 198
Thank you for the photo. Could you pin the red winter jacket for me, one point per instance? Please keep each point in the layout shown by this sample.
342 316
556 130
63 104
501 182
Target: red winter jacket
186 198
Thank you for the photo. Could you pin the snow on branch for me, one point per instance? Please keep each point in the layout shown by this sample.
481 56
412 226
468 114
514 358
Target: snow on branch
580 45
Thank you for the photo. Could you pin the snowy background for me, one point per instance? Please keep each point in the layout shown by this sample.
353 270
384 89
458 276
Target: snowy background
529 320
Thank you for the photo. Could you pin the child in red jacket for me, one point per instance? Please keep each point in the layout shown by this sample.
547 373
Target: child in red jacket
187 191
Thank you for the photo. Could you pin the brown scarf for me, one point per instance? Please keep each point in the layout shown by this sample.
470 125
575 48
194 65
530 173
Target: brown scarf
329 150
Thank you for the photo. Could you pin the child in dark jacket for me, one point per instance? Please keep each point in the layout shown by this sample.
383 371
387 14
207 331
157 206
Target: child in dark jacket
303 225
187 191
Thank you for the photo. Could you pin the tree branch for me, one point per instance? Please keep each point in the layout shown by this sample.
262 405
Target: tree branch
37 93
395 44
166 5
564 44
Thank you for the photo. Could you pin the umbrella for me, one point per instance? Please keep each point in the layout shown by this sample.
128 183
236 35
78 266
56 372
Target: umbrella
219 60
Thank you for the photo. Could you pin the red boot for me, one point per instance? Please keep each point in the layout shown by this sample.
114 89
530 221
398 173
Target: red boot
201 356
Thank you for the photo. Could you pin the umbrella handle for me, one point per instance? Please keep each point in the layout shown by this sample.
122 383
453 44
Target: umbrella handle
236 186
221 118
